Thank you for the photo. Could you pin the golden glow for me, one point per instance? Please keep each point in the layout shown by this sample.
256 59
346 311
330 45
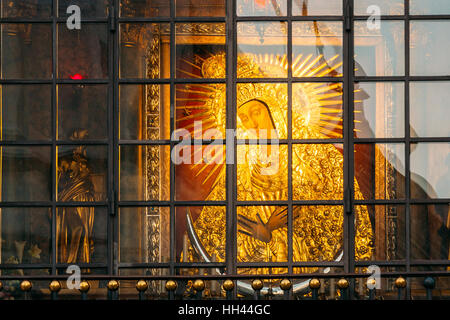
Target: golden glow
317 172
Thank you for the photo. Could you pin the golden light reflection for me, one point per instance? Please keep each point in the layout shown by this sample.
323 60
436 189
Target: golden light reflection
317 172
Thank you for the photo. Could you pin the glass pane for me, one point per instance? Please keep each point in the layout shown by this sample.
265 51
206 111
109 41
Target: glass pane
379 171
23 45
146 8
429 44
262 111
144 173
430 170
262 234
383 7
379 52
208 227
261 8
200 8
144 112
382 237
26 112
200 50
317 8
144 50
429 7
82 112
317 172
317 49
201 110
317 110
26 235
318 233
262 172
379 109
26 8
82 54
26 174
81 234
429 109
144 234
262 49
89 8
199 172
430 226
82 172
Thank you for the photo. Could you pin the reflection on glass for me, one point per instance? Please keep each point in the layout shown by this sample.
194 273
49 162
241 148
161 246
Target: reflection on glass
429 46
430 170
81 234
262 49
430 226
201 110
204 8
147 8
26 112
89 8
261 7
82 172
144 50
26 8
82 108
385 7
144 112
380 171
317 49
429 112
379 110
318 232
199 172
82 54
379 52
317 8
208 226
317 110
144 173
262 172
144 234
262 234
26 174
387 234
262 111
429 7
26 235
317 172
200 50
22 45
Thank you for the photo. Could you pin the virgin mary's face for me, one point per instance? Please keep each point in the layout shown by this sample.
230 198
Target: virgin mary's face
254 115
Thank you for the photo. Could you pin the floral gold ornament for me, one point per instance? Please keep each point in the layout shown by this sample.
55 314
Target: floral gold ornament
54 286
25 285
